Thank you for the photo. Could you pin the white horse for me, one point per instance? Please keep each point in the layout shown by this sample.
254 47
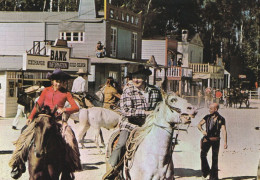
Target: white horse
152 159
96 117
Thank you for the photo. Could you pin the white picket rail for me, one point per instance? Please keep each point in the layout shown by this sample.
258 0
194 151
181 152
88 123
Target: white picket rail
254 95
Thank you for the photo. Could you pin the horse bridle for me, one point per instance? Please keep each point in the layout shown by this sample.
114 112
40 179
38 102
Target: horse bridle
178 110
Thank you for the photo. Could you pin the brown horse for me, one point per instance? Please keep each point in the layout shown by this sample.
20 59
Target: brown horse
47 153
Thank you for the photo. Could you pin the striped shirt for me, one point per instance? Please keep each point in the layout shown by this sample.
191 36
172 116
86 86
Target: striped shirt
134 103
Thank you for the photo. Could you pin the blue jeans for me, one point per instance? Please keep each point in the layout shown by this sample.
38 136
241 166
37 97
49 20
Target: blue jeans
117 152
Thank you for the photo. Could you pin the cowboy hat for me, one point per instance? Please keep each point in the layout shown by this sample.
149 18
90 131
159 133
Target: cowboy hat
40 89
142 71
31 89
83 71
58 74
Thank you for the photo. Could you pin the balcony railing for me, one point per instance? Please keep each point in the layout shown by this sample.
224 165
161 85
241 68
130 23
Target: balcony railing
39 47
175 72
205 68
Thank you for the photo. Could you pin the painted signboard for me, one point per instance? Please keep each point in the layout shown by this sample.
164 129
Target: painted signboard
58 57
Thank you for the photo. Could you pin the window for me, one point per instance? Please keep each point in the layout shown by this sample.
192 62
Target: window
113 41
113 74
127 18
132 19
134 45
11 88
72 36
123 17
136 20
111 13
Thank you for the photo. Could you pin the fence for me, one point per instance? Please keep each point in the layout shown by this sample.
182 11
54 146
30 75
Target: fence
254 95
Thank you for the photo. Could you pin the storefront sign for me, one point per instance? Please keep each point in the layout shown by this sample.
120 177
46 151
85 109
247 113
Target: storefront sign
242 76
57 57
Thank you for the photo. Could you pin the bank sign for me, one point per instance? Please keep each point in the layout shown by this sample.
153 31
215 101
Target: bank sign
56 57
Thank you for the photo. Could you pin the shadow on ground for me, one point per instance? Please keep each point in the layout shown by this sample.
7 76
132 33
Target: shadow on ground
6 152
183 172
91 166
240 178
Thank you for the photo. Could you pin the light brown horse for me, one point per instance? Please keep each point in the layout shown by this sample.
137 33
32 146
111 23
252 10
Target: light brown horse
47 153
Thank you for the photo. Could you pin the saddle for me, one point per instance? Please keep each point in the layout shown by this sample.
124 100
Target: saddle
131 147
82 100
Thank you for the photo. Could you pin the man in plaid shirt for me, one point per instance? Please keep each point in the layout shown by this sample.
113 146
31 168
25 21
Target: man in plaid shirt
138 100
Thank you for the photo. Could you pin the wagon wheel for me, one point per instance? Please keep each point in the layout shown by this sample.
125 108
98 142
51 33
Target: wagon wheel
247 103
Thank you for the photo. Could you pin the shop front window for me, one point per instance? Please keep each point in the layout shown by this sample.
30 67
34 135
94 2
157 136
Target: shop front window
11 88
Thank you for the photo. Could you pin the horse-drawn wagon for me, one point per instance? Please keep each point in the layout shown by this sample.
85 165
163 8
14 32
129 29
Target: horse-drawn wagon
237 96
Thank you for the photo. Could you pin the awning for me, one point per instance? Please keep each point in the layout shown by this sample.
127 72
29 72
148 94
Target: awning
201 76
106 60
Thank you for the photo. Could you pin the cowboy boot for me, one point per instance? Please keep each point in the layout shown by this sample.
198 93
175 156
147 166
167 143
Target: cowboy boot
17 171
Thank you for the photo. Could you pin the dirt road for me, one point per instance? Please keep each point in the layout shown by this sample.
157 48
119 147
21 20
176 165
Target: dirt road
238 162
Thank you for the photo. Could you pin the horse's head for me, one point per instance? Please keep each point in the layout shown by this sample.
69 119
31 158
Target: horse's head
43 125
180 107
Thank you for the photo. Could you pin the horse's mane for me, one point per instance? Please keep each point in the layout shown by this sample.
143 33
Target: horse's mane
44 110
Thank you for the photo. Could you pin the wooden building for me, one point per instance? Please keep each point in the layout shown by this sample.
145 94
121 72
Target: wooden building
117 28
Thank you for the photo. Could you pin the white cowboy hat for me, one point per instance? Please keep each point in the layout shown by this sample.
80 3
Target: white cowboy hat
40 89
31 89
83 71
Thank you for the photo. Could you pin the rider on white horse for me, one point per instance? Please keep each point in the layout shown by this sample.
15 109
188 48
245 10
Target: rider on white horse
137 101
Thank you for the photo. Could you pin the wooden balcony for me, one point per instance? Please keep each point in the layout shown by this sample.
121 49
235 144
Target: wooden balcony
205 68
175 73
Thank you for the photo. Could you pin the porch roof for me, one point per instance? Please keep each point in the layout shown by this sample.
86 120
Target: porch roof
107 60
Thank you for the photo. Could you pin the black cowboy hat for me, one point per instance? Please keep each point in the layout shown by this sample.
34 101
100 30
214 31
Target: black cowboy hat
58 74
142 71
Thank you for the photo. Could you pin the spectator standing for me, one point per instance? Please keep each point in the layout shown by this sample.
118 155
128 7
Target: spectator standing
208 96
199 97
218 96
214 122
21 101
25 104
179 63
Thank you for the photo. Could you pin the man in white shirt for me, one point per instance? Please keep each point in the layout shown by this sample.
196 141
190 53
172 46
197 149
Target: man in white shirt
80 84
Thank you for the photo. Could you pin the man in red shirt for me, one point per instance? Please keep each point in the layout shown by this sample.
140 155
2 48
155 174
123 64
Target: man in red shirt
218 96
